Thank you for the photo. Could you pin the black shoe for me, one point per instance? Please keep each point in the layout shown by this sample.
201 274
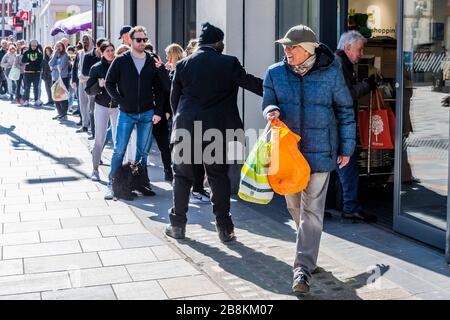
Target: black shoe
56 118
175 232
318 270
91 138
76 113
83 129
225 234
49 104
301 285
168 175
360 216
146 191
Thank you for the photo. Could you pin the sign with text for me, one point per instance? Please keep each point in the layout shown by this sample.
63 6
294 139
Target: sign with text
24 15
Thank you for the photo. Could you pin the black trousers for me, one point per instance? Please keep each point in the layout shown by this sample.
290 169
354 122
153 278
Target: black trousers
19 87
161 134
220 192
31 79
48 85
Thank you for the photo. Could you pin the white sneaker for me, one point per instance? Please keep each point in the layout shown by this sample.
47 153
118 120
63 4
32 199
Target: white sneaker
109 193
38 103
95 176
25 103
199 198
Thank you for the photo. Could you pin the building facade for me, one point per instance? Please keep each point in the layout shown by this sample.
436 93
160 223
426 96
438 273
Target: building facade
408 44
48 12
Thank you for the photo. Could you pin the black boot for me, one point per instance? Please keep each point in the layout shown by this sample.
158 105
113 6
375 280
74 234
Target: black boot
144 187
168 175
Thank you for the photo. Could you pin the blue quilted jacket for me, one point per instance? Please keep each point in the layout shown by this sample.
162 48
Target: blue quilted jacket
317 106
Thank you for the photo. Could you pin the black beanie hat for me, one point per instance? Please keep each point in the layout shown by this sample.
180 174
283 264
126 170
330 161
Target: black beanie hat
210 34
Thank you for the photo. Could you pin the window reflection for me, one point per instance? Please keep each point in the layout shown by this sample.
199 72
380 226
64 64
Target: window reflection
426 111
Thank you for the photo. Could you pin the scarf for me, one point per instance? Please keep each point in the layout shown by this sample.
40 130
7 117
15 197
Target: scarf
304 67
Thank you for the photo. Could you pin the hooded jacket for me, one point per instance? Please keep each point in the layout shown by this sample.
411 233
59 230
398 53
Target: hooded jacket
317 106
82 77
135 93
33 60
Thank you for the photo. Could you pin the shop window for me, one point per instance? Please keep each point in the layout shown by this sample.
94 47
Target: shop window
295 12
184 21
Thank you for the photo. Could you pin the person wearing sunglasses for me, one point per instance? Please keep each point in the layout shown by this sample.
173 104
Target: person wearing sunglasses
308 92
134 84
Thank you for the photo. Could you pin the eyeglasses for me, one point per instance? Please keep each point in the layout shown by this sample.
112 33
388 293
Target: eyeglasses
139 40
291 47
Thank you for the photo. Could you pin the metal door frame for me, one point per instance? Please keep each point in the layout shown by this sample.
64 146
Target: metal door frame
402 224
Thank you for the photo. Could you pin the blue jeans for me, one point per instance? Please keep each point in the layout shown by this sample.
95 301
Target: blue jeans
349 178
125 124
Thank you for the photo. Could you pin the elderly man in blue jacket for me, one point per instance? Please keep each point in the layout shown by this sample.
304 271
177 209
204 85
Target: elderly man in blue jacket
308 92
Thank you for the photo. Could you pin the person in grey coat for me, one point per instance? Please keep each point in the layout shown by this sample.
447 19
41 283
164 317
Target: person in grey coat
59 64
307 91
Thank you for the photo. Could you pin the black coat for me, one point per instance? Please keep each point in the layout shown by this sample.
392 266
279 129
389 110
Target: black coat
357 89
205 88
46 71
99 71
135 93
76 63
90 59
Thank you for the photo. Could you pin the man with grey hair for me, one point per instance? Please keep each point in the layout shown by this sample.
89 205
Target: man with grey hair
350 51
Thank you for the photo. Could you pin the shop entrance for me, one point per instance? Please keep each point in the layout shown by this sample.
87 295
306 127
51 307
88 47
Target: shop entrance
376 20
408 44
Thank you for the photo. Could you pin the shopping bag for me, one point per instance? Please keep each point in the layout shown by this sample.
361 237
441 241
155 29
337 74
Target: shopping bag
254 185
289 172
14 74
391 116
59 91
378 124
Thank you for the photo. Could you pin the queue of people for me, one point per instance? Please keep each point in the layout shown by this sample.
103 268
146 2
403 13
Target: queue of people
131 90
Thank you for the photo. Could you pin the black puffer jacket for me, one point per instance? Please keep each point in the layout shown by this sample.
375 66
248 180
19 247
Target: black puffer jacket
99 71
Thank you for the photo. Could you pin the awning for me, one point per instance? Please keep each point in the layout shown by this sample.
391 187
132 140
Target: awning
73 24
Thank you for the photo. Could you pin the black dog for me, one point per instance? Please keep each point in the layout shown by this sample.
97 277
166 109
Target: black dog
129 178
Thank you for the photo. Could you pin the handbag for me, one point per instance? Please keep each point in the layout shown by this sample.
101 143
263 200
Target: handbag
14 74
379 122
59 90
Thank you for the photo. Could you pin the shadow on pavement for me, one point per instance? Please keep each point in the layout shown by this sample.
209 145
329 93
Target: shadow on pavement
273 275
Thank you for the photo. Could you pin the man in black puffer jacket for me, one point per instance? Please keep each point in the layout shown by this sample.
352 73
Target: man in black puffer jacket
105 108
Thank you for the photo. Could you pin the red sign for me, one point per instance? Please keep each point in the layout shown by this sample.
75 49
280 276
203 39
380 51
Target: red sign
24 16
17 22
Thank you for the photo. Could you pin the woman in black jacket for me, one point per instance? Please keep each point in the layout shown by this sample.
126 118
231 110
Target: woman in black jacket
46 74
105 108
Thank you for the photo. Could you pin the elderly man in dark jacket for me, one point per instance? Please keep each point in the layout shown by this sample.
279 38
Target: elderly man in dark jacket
350 51
308 92
204 92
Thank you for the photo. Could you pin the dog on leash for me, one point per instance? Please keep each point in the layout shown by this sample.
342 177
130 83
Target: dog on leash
130 178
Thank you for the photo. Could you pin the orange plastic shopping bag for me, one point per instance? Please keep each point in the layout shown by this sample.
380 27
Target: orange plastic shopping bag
289 172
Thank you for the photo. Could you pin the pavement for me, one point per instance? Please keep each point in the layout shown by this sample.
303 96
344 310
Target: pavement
60 239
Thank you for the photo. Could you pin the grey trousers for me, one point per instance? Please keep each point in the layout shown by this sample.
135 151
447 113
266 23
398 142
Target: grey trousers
102 116
83 100
307 209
